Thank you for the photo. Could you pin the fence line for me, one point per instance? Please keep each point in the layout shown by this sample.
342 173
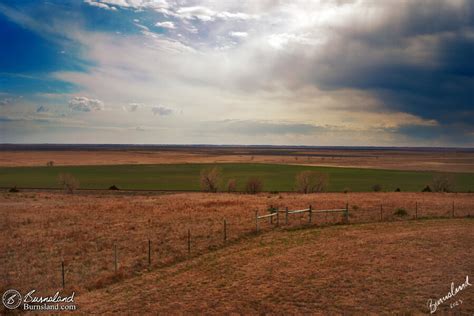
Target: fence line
274 213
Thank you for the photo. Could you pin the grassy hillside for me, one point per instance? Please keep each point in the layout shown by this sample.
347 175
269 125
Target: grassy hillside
355 269
186 177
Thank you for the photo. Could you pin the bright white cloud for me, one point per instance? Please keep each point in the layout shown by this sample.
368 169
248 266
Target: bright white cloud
100 5
137 4
166 25
238 34
207 14
83 104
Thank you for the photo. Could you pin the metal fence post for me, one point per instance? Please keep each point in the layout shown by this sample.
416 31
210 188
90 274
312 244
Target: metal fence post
149 252
225 230
347 213
189 241
115 258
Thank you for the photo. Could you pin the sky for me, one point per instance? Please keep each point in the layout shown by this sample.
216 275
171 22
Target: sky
296 72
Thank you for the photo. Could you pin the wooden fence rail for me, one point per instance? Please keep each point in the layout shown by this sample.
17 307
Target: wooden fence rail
274 212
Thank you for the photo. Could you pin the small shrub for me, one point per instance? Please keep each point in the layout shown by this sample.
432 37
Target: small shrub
254 186
442 183
377 188
397 190
311 181
347 190
113 187
231 185
400 212
210 178
50 163
426 189
68 182
14 190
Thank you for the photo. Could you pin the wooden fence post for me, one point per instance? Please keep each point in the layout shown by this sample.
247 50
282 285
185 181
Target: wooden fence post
286 215
62 274
416 210
256 221
115 258
278 218
149 252
452 213
310 213
225 230
189 241
381 212
271 212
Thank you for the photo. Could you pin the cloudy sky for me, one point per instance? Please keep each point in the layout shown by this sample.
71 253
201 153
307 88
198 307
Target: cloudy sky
329 72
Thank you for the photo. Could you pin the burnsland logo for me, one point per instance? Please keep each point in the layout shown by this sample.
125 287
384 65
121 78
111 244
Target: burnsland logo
12 299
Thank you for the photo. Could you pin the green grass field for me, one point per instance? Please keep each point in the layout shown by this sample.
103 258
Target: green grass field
186 177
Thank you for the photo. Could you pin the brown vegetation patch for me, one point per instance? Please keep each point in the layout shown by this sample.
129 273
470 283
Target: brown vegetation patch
382 268
452 161
39 230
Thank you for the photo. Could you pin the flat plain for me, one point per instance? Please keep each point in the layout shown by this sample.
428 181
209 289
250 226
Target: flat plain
425 159
40 230
186 177
399 250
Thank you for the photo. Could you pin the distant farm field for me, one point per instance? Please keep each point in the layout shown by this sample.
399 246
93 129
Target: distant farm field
186 177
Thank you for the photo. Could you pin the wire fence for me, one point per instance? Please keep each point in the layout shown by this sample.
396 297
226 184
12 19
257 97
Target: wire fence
96 264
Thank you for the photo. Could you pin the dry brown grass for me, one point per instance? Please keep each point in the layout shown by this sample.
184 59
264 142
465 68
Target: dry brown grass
381 268
38 230
384 268
397 160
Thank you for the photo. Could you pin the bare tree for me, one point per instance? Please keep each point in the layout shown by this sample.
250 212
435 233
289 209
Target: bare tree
68 182
254 185
442 183
210 178
231 185
311 181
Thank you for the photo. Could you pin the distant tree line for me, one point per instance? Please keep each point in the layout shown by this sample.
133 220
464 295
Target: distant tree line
307 181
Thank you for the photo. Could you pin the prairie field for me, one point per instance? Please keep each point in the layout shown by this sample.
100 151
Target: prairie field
185 177
441 160
382 268
42 229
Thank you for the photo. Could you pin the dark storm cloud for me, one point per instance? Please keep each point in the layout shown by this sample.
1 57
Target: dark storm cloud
439 87
417 58
449 134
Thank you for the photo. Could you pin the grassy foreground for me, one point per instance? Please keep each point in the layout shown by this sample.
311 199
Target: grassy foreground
186 177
